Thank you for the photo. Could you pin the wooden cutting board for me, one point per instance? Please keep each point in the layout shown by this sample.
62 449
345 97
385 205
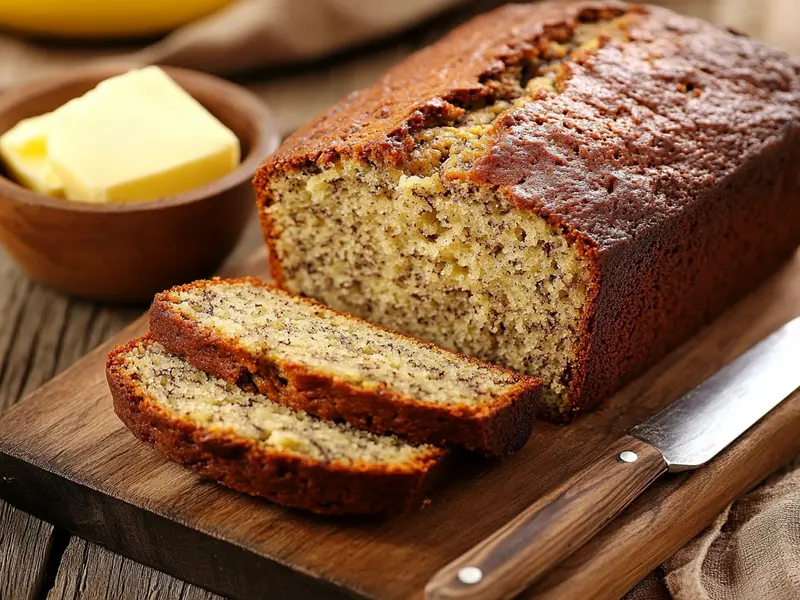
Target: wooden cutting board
66 458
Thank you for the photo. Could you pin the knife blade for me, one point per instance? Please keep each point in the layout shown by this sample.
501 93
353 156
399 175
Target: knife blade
685 435
691 431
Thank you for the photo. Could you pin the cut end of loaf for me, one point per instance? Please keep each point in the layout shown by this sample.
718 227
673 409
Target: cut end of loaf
438 260
418 246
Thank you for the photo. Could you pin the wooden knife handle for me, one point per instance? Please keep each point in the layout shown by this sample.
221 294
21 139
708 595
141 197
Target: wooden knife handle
544 534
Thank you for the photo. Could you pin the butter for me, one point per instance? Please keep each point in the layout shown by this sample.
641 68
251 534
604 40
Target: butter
24 151
137 136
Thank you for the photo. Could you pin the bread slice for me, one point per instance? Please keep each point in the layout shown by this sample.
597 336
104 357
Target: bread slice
253 445
337 367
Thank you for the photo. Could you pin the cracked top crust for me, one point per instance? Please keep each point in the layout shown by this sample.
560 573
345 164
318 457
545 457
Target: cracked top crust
635 129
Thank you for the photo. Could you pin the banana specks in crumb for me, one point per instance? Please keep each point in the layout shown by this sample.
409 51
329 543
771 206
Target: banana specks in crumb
431 255
277 327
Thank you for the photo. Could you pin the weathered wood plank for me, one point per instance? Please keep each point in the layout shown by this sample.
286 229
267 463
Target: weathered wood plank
41 333
15 291
25 541
25 544
90 572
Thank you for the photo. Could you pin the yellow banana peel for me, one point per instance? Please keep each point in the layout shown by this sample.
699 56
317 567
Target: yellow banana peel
102 18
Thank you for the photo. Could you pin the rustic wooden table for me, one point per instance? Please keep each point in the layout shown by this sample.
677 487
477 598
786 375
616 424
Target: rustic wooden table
43 332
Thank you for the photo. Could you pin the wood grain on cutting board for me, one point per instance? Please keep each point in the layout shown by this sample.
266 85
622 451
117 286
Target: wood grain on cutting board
68 459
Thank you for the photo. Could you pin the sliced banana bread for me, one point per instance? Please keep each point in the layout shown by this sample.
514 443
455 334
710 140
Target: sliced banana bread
256 446
337 367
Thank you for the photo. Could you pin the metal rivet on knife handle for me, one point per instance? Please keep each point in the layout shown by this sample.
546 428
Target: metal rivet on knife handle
628 456
470 575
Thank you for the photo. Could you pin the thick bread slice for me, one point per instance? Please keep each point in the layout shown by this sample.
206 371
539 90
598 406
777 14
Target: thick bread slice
305 355
253 445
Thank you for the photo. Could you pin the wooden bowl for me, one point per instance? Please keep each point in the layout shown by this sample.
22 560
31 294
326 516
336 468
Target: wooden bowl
129 251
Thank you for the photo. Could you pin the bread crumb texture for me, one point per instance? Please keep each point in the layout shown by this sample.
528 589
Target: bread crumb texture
279 328
424 252
188 394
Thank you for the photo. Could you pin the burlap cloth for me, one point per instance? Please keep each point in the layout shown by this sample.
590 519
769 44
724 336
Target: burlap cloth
752 550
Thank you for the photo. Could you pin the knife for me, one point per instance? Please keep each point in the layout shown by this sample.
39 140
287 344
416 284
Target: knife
685 435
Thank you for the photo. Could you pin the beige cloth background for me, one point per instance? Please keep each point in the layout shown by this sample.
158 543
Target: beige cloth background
752 550
244 35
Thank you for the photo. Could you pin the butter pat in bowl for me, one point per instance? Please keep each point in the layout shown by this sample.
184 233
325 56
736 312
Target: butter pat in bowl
23 149
123 182
136 136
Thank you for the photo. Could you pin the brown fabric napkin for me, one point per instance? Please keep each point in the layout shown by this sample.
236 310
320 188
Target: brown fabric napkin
244 35
750 552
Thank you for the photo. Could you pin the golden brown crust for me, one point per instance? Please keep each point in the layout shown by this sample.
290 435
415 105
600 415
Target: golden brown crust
431 86
497 430
283 478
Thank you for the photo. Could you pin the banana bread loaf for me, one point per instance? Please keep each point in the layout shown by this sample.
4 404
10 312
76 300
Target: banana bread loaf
569 189
335 366
255 446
